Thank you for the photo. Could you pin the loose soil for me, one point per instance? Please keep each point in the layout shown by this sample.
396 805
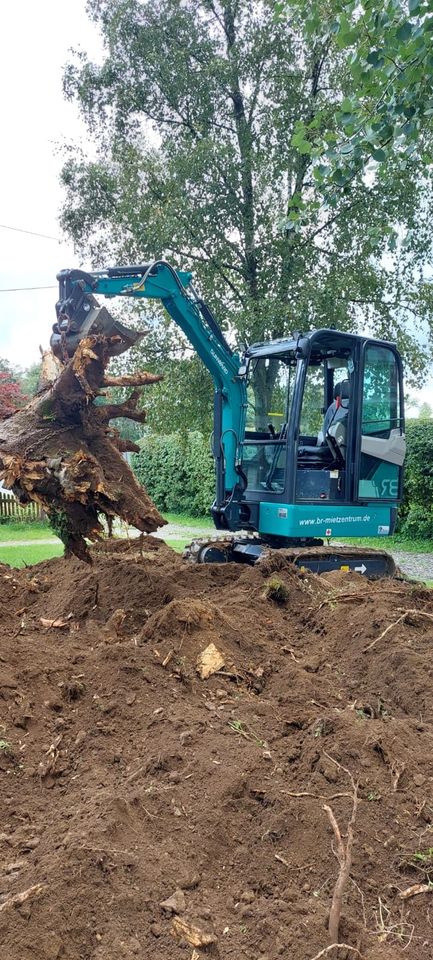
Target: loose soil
126 779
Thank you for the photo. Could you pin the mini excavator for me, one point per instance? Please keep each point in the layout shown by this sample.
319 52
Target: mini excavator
308 436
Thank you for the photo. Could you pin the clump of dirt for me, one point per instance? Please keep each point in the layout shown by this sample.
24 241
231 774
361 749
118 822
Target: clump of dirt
151 813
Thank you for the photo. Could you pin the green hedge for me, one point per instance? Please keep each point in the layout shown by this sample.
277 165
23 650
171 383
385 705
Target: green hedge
178 472
419 462
416 512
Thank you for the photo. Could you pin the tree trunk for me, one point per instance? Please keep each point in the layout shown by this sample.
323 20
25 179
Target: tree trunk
60 451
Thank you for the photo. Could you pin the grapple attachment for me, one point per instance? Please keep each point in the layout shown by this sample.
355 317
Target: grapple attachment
79 315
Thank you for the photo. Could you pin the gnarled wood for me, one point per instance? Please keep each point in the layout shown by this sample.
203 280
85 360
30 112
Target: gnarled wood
60 451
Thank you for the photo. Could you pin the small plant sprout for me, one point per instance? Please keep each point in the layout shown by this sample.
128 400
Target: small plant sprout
239 727
275 589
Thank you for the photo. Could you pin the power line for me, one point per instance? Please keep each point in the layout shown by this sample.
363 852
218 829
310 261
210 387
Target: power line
31 233
19 289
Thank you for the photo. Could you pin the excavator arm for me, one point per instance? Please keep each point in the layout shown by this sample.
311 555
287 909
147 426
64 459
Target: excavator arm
79 314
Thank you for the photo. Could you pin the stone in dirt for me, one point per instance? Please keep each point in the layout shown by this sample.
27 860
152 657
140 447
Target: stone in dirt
176 903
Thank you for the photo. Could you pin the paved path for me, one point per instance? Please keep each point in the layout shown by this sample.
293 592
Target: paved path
175 531
27 543
418 565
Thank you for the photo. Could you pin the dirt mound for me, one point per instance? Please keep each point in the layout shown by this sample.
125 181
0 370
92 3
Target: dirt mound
150 813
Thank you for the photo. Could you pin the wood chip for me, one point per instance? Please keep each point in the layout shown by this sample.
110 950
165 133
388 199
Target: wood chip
59 622
209 661
19 898
191 933
416 889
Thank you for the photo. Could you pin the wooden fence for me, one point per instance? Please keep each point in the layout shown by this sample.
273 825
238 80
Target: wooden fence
11 509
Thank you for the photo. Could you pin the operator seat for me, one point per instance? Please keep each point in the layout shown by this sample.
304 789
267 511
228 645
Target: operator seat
331 445
335 423
339 407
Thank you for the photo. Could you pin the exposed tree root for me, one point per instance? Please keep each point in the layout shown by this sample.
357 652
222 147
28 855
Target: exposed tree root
406 613
337 946
343 853
61 452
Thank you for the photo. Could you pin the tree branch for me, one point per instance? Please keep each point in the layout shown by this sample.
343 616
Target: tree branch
303 164
337 946
127 409
245 145
328 223
140 379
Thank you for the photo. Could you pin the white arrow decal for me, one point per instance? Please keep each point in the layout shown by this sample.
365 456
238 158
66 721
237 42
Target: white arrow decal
361 569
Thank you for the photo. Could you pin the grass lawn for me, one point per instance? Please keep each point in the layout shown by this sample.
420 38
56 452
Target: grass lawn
25 531
392 543
20 555
36 553
178 545
27 555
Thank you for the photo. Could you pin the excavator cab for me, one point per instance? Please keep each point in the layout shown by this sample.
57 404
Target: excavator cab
323 447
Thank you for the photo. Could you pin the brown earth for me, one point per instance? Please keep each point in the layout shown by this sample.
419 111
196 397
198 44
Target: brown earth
126 779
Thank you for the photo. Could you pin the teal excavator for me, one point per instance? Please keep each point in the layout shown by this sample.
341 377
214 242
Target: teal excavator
308 436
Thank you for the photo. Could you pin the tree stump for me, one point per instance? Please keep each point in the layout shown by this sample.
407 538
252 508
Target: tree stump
60 451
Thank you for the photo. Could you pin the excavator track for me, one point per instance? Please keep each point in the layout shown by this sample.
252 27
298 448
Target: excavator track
246 547
220 547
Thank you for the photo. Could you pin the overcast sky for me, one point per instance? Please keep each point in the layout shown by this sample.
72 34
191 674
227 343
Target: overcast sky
35 119
35 40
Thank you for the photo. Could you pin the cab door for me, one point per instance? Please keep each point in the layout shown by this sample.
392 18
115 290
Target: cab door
381 444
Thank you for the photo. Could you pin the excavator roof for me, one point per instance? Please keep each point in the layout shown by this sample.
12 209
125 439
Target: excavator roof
320 343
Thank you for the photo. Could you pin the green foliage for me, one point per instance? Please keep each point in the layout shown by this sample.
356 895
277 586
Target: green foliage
32 528
207 122
183 400
61 525
177 471
419 462
11 395
418 507
29 379
26 519
275 589
388 109
418 524
425 412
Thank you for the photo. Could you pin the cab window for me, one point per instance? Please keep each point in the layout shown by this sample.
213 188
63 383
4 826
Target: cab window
382 440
